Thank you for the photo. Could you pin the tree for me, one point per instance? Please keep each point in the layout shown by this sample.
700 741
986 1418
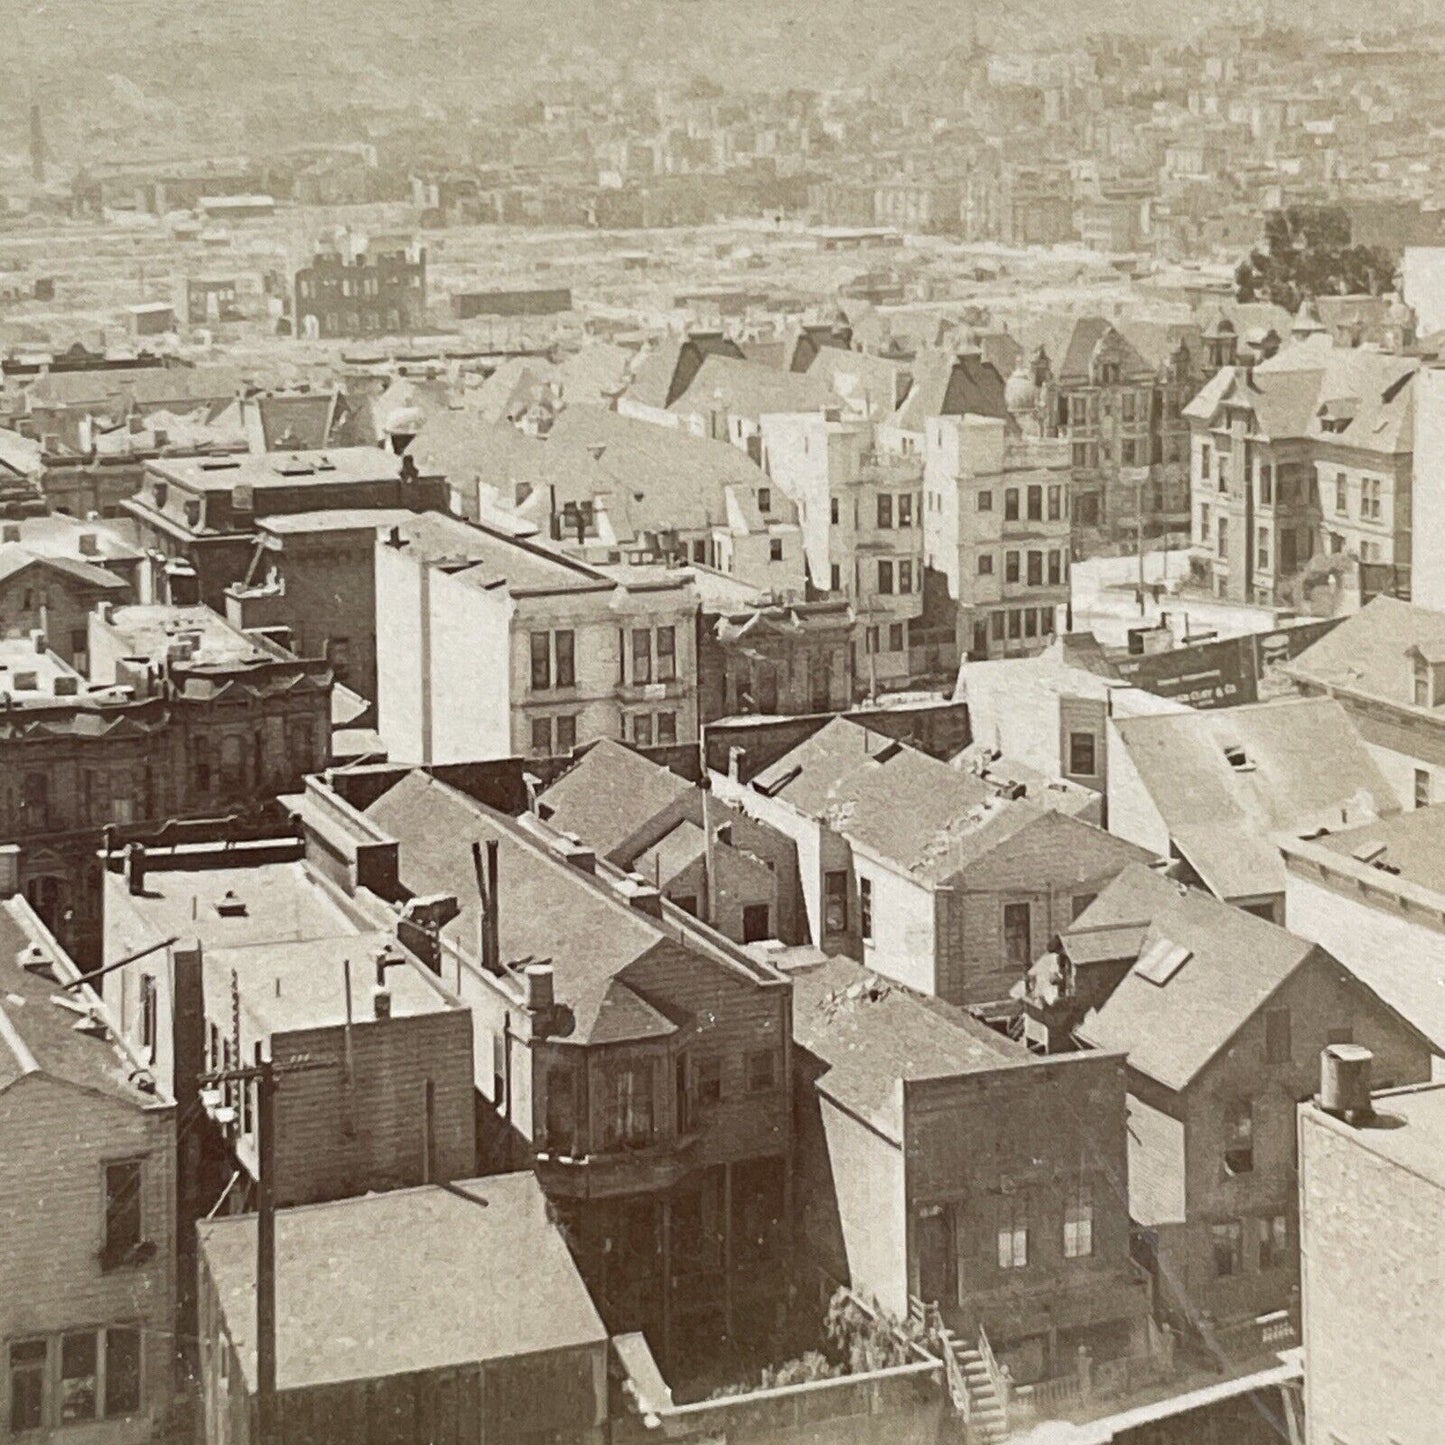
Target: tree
1308 253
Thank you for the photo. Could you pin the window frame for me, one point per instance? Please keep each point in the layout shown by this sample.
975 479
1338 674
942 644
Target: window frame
865 909
1079 1229
115 1252
665 658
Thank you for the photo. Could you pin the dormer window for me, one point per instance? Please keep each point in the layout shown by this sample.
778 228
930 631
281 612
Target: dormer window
1428 678
1237 758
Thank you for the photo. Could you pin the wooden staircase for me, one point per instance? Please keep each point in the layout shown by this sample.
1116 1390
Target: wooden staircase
987 1415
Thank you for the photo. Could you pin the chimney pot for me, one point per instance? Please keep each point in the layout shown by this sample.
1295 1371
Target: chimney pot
135 867
540 995
381 1003
1345 1082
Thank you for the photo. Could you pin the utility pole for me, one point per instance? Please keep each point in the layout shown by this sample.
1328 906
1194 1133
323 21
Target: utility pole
264 1075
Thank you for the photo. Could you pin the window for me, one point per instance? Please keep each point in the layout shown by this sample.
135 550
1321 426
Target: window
542 737
1239 1138
905 577
1266 485
985 501
775 549
1017 942
885 577
1035 504
1056 503
641 655
895 637
1227 1243
1204 522
1261 556
1083 762
642 730
765 499
564 645
1422 788
541 661
1046 621
1011 504
885 510
666 728
996 625
566 734
1013 1235
865 907
1273 1231
1031 622
833 510
1223 536
79 1375
1010 566
985 564
1056 569
835 902
1036 569
1079 455
27 1385
629 1104
707 1079
148 1018
666 654
1015 624
1370 498
762 1071
122 1211
835 578
1422 683
870 640
1276 1036
905 509
1204 461
1342 501
1079 1222
561 1117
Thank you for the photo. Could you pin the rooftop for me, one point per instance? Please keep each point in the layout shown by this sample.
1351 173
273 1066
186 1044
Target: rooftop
280 903
1369 653
1418 1147
149 630
28 673
872 1034
608 794
487 1277
57 535
333 519
15 558
1410 846
40 1020
302 984
280 469
1204 969
485 558
549 910
1226 781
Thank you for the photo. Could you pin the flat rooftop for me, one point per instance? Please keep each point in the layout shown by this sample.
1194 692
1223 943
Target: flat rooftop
485 558
1409 1130
334 519
280 902
57 535
487 1277
149 630
280 469
29 675
302 984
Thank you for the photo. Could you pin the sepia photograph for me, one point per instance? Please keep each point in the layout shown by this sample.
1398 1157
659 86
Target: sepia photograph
722 722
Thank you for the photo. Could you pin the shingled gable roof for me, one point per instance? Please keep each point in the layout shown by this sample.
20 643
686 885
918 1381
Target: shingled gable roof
895 802
609 794
549 911
1301 766
752 389
1235 963
1369 653
15 559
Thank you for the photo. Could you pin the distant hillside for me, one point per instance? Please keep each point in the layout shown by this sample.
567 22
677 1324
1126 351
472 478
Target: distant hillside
204 68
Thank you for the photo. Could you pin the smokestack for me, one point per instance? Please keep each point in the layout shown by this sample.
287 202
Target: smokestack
489 944
1345 1082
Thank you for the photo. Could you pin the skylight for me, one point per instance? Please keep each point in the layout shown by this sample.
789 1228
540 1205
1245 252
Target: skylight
1162 960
